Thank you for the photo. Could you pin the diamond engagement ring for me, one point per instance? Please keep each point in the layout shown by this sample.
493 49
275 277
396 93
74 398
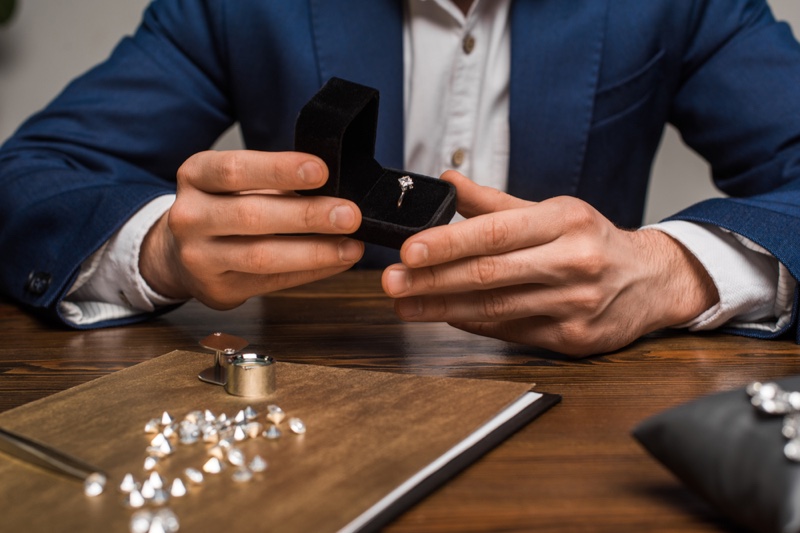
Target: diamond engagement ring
406 183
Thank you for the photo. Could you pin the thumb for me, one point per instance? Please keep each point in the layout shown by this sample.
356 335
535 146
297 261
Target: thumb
473 199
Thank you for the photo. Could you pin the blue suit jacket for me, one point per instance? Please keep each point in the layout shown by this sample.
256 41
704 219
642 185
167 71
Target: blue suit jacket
593 83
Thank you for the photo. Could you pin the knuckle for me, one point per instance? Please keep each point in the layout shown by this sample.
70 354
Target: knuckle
484 269
230 167
496 234
496 306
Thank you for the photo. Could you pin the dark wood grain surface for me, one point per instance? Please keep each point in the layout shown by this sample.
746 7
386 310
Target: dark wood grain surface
576 468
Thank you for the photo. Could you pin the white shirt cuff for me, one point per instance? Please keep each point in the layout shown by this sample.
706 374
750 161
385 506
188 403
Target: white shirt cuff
755 289
109 285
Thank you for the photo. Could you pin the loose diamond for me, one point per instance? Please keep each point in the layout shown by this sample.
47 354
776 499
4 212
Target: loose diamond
194 475
272 432
258 464
250 413
177 489
242 475
297 426
275 414
156 481
152 426
94 484
150 462
140 522
166 419
128 483
235 457
213 466
134 499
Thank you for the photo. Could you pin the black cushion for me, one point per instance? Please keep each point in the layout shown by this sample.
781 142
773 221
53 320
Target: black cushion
732 455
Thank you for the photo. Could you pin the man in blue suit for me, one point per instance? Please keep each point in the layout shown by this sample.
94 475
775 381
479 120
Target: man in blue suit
113 210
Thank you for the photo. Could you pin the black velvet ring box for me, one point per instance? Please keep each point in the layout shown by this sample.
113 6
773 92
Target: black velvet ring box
339 124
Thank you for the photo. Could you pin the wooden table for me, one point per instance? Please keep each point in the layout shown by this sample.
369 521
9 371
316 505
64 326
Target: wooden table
574 469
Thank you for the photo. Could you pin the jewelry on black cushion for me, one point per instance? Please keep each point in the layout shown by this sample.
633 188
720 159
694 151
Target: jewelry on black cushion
406 183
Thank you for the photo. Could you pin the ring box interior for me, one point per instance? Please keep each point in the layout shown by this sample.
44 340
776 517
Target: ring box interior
339 125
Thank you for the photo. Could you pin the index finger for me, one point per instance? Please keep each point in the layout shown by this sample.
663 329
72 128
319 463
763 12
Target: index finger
248 170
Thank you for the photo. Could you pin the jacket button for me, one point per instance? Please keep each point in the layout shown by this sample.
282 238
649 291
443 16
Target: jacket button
38 283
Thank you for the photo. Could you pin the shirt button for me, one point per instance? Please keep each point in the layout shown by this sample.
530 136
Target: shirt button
457 158
468 44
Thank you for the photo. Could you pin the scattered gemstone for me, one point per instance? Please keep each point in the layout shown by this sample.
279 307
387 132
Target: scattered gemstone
194 475
148 491
128 483
258 464
240 417
177 489
168 520
275 414
150 462
140 522
250 413
272 432
242 475
297 426
94 484
166 419
213 466
235 457
134 499
253 429
217 451
156 481
152 426
161 497
239 434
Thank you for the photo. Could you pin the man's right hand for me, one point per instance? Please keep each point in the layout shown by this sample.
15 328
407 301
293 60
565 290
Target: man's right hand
237 230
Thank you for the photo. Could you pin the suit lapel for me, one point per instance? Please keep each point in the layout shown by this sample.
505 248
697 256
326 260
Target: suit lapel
340 30
555 60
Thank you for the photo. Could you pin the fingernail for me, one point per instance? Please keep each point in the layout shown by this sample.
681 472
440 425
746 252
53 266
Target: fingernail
417 254
342 217
310 172
409 307
350 250
398 281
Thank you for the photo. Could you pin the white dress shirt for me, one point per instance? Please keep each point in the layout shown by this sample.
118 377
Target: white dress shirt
456 116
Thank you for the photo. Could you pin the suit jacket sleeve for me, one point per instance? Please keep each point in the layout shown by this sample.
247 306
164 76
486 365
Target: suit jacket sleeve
738 105
112 141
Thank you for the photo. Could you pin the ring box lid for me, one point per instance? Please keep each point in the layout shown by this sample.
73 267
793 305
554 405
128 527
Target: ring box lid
339 125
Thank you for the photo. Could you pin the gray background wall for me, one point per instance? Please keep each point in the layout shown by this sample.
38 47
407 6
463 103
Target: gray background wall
51 41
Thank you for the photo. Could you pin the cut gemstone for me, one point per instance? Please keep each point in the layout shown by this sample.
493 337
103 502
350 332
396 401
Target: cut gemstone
297 426
194 475
134 499
140 522
128 483
236 457
150 462
258 464
177 489
242 475
152 426
275 414
250 413
272 432
94 484
166 419
156 481
213 466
